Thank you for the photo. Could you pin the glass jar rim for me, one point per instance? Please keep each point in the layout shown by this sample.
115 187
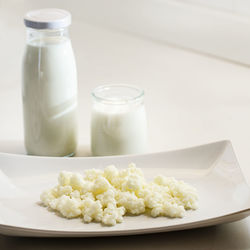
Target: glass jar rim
134 94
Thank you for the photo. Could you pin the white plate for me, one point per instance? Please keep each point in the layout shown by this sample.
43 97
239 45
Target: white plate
213 169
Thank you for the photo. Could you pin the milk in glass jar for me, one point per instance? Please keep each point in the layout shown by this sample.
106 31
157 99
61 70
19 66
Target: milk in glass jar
118 124
49 85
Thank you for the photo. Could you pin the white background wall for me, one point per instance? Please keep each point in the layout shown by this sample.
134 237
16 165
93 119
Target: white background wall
237 6
215 27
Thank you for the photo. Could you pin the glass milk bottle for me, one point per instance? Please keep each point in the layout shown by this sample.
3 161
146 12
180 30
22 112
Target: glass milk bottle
49 85
118 124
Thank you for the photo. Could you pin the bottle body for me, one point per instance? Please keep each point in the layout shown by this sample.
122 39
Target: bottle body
118 123
49 90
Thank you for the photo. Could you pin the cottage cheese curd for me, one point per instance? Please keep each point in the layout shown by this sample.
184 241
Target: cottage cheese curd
107 195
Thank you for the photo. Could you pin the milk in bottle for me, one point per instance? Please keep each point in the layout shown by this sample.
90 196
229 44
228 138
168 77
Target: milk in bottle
49 85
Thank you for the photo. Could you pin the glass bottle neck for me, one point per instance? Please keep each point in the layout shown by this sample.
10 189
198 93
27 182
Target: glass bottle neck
47 35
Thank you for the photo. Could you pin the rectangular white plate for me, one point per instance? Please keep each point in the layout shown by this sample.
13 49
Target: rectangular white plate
213 169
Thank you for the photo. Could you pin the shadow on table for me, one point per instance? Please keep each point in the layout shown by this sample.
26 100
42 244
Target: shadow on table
228 236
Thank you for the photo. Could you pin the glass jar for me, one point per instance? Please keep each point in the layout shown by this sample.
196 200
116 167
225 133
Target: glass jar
118 124
49 85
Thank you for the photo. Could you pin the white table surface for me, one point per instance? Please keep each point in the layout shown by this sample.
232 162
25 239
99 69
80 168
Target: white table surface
191 99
